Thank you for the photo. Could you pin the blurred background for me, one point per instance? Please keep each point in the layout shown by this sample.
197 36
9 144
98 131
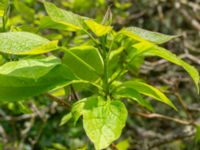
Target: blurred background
34 124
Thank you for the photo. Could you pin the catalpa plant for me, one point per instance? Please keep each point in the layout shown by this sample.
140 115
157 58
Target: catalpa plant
101 64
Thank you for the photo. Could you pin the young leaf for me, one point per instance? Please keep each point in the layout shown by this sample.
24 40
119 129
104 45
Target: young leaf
163 53
150 49
98 29
104 123
123 145
150 36
25 43
65 119
85 62
124 92
148 90
64 17
22 79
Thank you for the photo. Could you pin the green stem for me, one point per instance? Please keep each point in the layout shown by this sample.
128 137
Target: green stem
106 63
4 23
106 84
93 39
104 51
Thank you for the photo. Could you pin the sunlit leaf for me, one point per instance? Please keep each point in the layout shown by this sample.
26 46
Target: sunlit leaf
131 93
65 119
22 79
154 37
166 54
47 22
85 62
64 17
148 90
25 43
98 29
149 49
123 145
79 107
3 6
104 122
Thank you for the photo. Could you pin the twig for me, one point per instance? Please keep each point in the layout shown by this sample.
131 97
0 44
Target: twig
170 138
59 101
159 116
75 95
113 147
193 22
183 105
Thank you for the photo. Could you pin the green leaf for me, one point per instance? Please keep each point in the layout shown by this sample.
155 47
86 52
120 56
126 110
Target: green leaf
85 62
23 108
25 43
71 20
104 122
98 29
148 49
25 11
3 6
58 146
65 119
124 92
47 22
166 54
123 145
79 107
197 135
153 37
148 90
22 79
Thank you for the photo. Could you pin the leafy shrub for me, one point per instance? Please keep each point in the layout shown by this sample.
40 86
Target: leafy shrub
100 65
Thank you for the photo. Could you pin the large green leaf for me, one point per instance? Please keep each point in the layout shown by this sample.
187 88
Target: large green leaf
25 78
132 94
71 20
153 37
98 29
25 43
166 54
103 121
148 90
47 22
146 48
30 68
85 62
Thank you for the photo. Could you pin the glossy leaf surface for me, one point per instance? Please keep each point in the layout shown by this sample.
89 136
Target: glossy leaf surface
25 43
154 37
104 122
85 62
65 17
148 90
26 78
98 29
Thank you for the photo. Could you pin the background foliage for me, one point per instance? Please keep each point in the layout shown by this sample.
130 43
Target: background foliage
35 124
